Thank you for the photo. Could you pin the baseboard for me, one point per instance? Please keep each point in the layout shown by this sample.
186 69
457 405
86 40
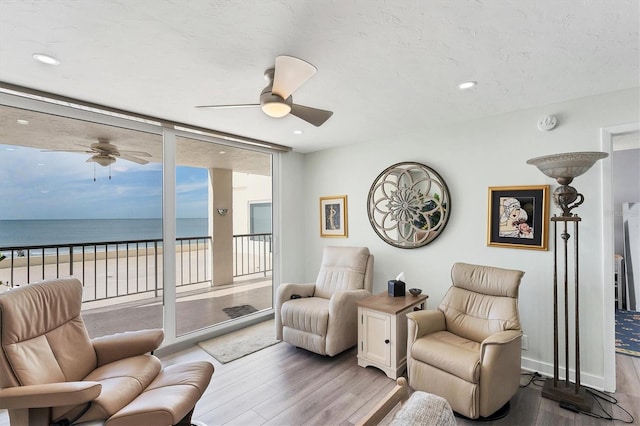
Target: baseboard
546 369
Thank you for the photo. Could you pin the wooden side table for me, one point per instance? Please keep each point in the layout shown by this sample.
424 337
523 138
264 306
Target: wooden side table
382 331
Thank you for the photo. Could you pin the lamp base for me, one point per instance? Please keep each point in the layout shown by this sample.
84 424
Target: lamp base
562 393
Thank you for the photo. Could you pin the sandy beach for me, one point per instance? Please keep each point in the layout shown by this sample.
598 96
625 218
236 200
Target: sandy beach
124 292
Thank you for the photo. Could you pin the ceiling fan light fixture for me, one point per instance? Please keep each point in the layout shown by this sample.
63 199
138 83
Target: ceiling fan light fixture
276 109
276 99
104 160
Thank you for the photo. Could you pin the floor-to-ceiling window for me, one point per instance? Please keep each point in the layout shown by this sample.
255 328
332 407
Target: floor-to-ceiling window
83 195
84 199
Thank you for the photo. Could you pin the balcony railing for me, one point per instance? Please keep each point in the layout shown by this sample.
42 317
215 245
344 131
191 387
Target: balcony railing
253 254
131 268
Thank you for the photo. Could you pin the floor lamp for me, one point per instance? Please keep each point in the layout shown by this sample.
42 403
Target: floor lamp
564 168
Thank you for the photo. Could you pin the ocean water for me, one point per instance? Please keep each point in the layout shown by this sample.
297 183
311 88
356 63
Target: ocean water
17 233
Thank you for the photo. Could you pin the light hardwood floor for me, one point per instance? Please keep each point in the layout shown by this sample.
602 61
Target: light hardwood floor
283 385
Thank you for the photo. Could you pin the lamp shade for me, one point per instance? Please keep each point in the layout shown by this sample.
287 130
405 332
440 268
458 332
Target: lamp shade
567 165
564 168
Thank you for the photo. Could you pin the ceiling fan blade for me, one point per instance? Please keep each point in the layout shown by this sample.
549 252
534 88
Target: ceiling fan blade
67 150
134 159
228 106
315 116
290 74
136 153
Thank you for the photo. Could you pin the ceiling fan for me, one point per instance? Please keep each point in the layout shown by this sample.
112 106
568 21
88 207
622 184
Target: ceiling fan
275 100
105 153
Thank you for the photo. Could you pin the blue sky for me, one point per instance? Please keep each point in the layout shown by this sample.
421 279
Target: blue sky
59 185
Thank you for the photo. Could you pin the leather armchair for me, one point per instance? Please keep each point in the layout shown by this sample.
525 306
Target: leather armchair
324 318
468 350
51 371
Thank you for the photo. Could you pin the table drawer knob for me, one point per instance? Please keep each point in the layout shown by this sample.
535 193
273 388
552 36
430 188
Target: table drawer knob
386 341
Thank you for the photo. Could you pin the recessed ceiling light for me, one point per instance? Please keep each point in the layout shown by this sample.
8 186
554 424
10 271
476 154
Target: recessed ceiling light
222 152
23 122
467 85
297 132
45 59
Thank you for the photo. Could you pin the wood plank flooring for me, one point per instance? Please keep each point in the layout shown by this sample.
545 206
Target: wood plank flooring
283 385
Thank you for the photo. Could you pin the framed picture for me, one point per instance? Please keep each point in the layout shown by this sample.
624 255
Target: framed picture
333 216
518 217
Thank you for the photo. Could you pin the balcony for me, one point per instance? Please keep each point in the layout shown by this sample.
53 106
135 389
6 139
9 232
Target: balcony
123 280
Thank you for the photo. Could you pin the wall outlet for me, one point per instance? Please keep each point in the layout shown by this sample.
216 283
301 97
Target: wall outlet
525 342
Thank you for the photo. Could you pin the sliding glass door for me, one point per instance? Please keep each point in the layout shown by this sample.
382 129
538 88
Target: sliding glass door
223 268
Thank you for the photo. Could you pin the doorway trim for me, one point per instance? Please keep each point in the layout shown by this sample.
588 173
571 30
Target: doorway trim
609 351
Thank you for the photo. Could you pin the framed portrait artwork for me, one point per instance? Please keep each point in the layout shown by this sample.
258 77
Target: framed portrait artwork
333 216
518 217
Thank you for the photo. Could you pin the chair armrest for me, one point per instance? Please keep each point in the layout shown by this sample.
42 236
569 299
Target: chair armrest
499 345
502 337
342 299
124 345
49 395
342 330
286 290
421 323
284 293
500 363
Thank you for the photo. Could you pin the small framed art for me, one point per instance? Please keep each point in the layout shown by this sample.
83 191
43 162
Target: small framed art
518 217
333 216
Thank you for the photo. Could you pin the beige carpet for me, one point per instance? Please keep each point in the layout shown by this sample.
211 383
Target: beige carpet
240 343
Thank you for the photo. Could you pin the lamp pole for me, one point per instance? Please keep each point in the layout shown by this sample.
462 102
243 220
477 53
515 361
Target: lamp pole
564 168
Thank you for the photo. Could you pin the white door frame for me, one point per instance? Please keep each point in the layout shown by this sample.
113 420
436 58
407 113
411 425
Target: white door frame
609 351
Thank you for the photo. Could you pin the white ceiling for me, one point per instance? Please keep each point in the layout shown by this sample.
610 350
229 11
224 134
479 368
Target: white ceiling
384 67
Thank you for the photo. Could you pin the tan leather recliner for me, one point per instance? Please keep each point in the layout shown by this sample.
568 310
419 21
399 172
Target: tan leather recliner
468 350
50 370
324 318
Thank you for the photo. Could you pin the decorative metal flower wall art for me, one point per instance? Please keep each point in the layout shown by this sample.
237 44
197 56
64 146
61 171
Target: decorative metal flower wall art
408 205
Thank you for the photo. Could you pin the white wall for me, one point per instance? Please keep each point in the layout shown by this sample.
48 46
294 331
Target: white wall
470 157
291 219
248 189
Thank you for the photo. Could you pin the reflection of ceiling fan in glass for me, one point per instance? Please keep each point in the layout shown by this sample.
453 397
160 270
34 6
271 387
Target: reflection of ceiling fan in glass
105 153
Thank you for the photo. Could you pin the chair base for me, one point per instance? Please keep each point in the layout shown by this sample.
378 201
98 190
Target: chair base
186 420
500 414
